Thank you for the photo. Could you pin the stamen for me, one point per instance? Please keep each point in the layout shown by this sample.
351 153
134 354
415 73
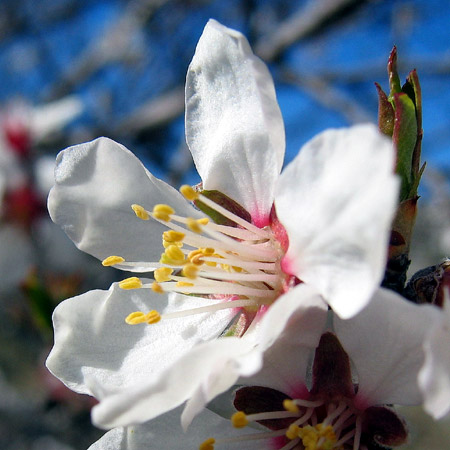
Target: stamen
239 419
139 317
140 212
173 236
156 287
289 405
112 260
162 274
189 193
292 431
207 445
131 283
190 271
194 225
163 212
358 431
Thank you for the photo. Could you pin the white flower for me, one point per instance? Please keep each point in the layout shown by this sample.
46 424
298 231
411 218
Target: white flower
325 221
324 407
434 378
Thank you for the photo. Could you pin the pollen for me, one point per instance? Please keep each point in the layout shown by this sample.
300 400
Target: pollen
239 419
190 271
319 437
292 431
173 236
153 317
112 260
208 444
289 405
163 212
194 225
156 287
138 317
135 317
173 256
189 193
131 283
163 274
140 212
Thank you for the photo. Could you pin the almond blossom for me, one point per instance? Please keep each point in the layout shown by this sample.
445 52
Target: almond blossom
232 250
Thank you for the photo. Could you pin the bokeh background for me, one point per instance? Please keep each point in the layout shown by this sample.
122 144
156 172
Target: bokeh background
73 70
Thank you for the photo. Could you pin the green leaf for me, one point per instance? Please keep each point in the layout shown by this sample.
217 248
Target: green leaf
404 138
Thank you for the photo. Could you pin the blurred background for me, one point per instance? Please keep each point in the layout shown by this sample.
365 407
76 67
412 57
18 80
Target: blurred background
73 70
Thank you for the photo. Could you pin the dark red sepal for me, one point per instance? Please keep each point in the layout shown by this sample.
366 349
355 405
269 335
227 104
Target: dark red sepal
332 376
257 399
383 427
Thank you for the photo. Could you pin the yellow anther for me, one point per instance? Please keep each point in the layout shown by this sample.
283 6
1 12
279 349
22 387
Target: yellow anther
184 284
174 253
140 212
226 267
171 262
139 317
131 283
189 193
163 212
239 419
208 444
208 251
197 260
289 405
152 317
167 244
292 431
112 260
203 221
156 287
135 317
193 225
190 271
237 269
162 274
173 236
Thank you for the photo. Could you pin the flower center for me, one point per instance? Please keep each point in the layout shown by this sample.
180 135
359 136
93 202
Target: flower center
314 425
239 264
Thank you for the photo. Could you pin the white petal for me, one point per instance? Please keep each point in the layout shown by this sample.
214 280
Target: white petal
234 126
424 432
434 377
385 343
165 432
337 200
151 397
96 184
92 339
300 317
